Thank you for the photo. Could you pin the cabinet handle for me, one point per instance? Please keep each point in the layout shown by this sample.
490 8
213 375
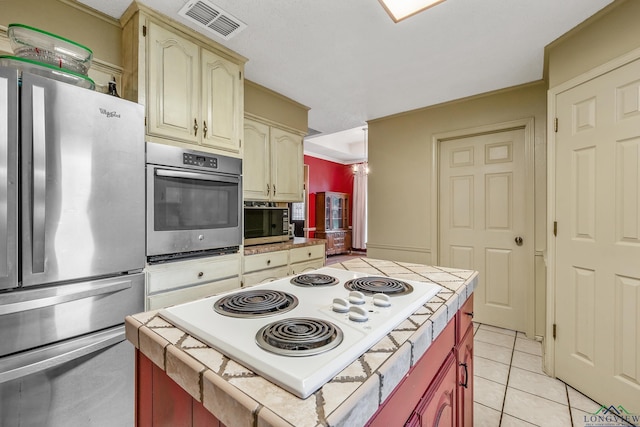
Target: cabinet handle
274 189
204 130
195 127
200 274
268 189
268 262
465 384
309 254
469 313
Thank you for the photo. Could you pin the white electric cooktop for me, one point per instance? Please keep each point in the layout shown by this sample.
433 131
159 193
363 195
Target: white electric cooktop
323 329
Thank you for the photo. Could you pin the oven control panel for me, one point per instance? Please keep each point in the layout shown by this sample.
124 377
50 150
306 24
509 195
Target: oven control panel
200 160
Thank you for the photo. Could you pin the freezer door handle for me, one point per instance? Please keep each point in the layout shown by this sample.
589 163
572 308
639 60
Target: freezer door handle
47 300
46 358
39 178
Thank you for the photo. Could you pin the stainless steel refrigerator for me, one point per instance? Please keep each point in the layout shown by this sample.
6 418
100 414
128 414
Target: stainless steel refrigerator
71 252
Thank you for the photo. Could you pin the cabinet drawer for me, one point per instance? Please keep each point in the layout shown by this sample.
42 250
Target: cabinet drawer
307 253
265 276
191 293
173 275
263 261
301 267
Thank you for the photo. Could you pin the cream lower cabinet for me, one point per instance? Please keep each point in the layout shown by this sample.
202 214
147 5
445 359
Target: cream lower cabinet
182 281
192 88
267 267
273 163
263 268
306 258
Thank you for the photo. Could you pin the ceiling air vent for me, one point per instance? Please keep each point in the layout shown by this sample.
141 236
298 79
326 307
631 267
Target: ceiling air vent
213 18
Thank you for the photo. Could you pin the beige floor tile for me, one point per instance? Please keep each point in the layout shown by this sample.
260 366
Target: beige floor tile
509 421
490 369
579 401
494 338
536 410
483 416
488 393
492 352
527 361
540 385
526 345
503 331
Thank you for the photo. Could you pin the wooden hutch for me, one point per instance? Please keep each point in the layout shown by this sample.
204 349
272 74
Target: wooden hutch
332 221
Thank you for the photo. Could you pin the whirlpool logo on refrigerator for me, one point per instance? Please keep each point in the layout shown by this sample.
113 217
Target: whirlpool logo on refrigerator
109 114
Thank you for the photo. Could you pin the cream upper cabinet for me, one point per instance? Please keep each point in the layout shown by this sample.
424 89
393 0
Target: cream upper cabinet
191 86
256 174
173 107
273 163
221 111
287 163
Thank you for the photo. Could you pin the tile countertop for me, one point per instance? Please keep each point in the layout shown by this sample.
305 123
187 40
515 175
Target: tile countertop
238 397
296 242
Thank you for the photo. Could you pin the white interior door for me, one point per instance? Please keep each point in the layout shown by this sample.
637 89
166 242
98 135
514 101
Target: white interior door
484 223
597 310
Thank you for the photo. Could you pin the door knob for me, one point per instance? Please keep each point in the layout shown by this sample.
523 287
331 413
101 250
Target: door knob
519 241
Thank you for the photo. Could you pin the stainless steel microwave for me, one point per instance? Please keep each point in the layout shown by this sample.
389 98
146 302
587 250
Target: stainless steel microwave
265 224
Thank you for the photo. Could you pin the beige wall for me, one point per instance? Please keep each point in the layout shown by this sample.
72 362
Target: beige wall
400 158
96 31
400 151
607 35
265 103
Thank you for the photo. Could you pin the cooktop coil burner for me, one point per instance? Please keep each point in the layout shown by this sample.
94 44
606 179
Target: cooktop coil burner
314 280
299 336
378 285
255 303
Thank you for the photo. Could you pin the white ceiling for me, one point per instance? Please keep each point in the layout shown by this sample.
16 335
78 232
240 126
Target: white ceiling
348 61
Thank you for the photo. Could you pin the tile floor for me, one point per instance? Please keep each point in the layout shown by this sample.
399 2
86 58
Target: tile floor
511 389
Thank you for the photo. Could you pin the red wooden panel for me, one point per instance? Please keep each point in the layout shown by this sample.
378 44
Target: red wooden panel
202 417
438 407
465 318
400 404
172 406
465 376
144 390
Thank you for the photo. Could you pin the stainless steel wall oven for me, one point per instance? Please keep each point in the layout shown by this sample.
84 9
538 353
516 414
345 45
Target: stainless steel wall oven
194 203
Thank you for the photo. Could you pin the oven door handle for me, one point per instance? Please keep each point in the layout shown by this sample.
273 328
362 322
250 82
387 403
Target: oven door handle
195 175
49 357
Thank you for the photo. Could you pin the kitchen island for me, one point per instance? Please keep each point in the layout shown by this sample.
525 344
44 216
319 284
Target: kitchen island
182 381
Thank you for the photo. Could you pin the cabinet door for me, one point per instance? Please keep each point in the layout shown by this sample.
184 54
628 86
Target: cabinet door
286 166
256 170
221 106
173 99
438 407
465 378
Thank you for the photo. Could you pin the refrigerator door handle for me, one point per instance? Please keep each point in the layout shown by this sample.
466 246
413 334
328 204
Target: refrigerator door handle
5 138
50 357
50 300
39 178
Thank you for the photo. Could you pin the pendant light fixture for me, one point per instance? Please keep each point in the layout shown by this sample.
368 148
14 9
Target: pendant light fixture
365 163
